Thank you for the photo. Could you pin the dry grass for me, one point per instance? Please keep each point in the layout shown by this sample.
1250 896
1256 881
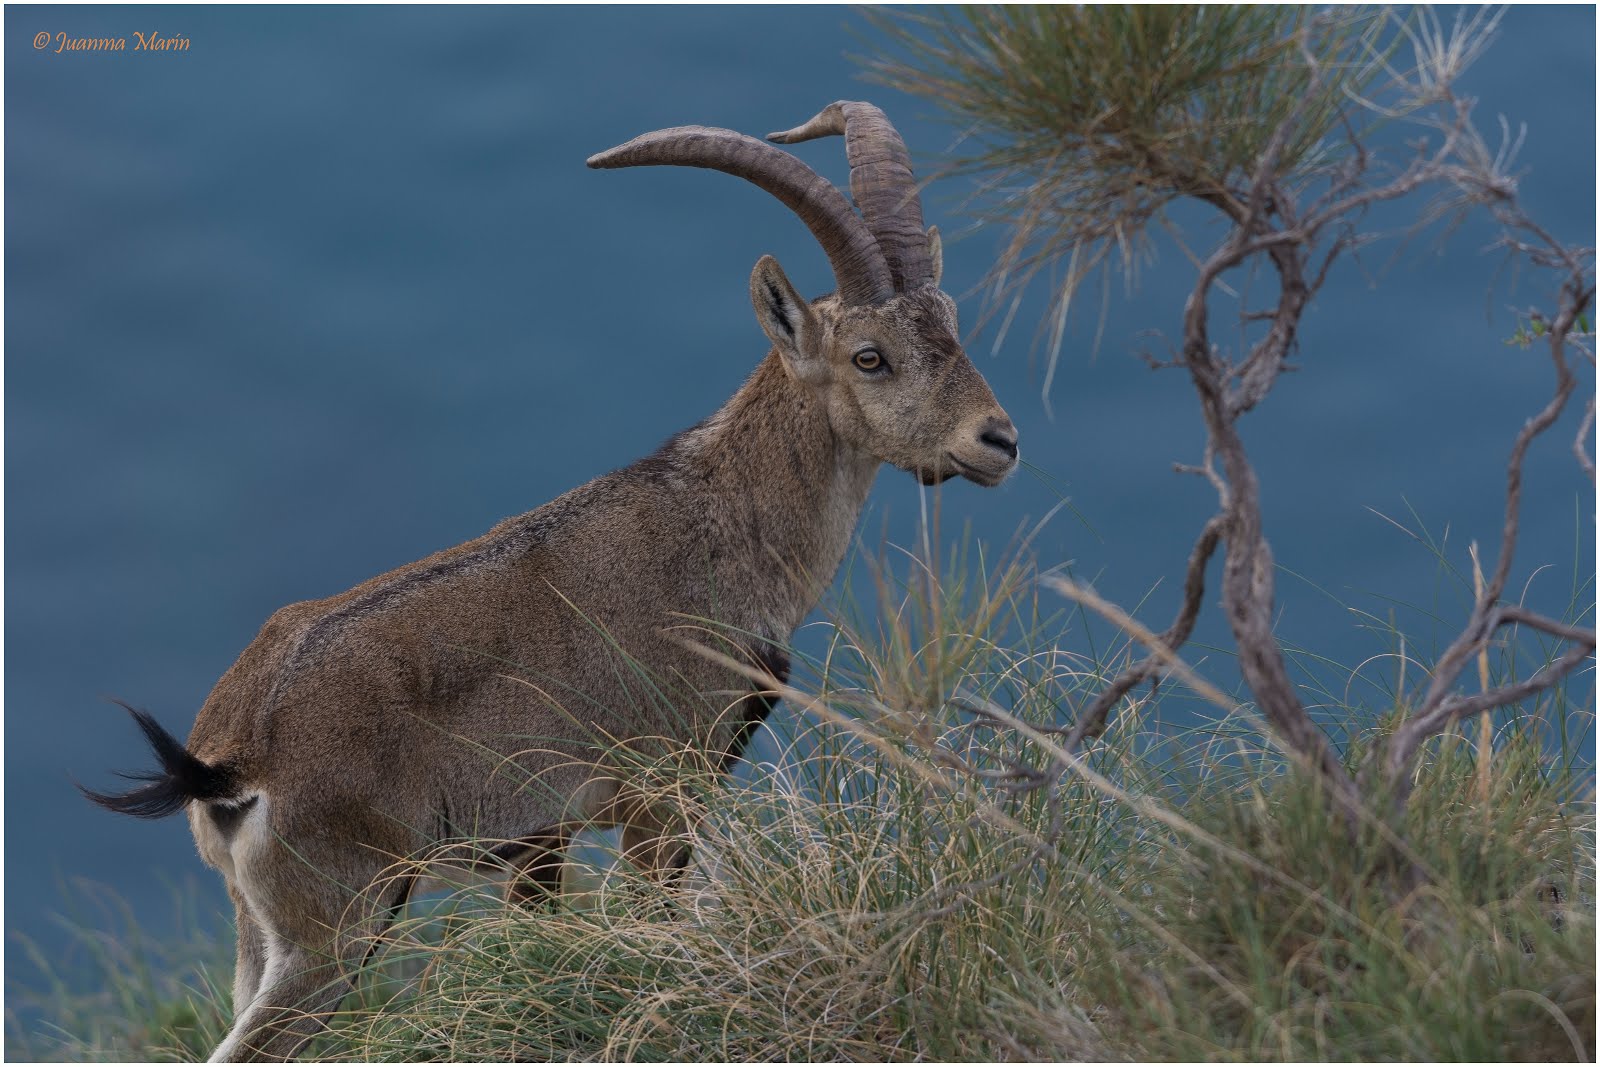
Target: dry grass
889 891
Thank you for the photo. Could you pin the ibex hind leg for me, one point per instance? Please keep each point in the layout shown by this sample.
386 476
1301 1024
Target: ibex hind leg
300 988
312 934
251 959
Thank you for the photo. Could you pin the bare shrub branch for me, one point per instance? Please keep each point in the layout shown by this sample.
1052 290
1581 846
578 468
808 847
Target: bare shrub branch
1579 446
1440 707
1092 720
1294 186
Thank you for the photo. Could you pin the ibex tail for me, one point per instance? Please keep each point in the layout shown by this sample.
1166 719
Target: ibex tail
182 777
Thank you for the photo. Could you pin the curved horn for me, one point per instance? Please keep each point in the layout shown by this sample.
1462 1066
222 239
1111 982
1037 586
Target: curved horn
858 264
881 182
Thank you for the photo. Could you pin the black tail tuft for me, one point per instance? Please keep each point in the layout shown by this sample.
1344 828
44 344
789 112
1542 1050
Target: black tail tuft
182 777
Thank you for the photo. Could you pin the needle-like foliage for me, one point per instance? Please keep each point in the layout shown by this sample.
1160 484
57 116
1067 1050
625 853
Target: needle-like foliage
1086 120
1091 119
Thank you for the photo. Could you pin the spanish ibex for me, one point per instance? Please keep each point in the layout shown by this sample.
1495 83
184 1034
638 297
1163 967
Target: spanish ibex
461 697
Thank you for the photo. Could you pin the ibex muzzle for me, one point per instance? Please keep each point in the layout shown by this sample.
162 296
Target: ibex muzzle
461 698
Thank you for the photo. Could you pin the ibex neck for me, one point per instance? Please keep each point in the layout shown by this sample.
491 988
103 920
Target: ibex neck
783 494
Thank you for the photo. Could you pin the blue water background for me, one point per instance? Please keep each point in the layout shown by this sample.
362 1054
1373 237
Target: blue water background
333 289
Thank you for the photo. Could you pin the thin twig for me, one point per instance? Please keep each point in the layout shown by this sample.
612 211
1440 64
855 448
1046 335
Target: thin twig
1580 442
1439 708
1092 721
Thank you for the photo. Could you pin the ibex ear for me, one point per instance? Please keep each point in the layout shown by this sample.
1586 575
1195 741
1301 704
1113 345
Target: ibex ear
787 320
936 254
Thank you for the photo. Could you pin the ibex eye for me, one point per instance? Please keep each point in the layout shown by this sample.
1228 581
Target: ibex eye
869 359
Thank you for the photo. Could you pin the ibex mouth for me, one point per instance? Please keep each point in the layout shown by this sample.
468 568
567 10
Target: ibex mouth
986 478
951 466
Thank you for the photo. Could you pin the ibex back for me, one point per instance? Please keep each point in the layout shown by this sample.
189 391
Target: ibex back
462 696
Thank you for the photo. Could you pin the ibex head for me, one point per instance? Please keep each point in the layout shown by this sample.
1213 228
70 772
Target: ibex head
881 354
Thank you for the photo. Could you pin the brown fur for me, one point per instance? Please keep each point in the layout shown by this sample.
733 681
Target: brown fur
466 695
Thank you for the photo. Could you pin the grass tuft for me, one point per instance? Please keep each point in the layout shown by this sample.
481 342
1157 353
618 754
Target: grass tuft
910 882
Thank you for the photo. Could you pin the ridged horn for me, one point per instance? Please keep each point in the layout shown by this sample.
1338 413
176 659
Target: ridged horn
859 268
881 182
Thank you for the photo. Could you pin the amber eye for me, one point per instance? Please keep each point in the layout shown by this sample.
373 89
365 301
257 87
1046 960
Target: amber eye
868 359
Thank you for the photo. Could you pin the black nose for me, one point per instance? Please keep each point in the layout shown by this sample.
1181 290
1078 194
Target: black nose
999 433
